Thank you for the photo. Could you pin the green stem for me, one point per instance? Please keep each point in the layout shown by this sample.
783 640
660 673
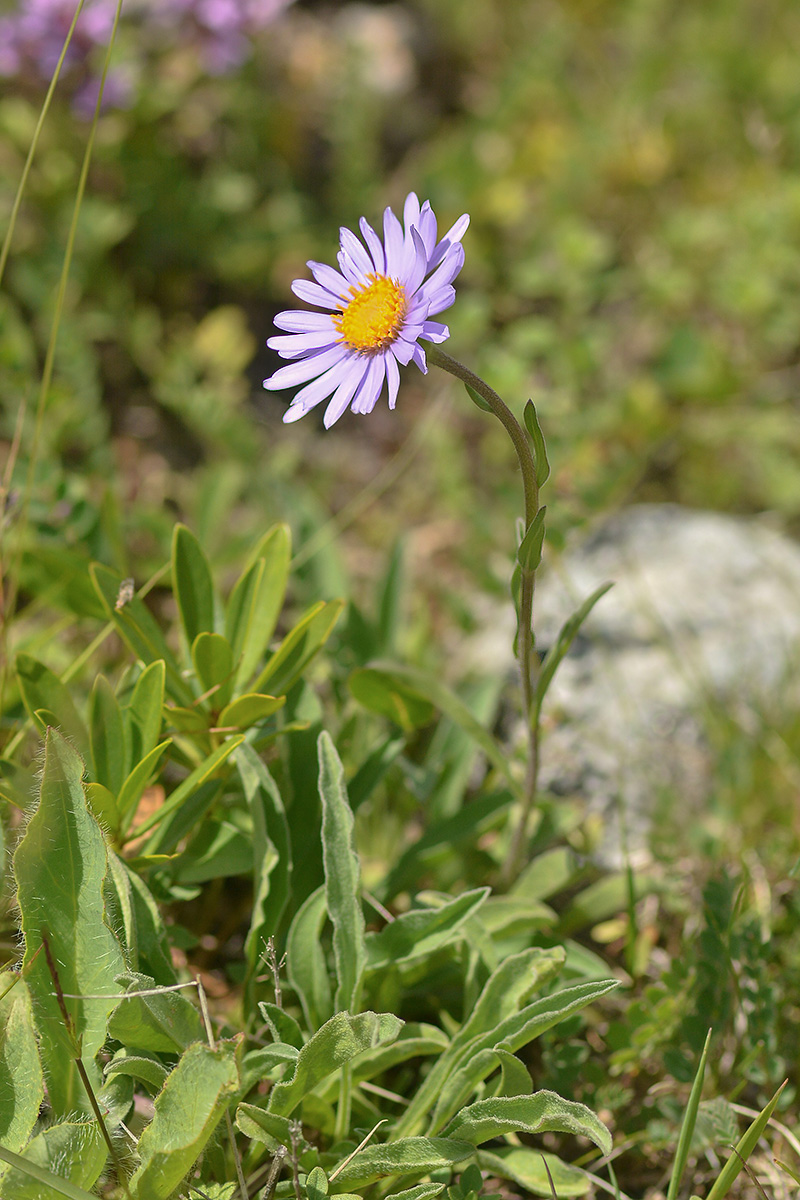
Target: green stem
528 658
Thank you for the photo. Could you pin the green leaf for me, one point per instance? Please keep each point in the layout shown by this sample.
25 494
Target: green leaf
60 866
41 689
478 399
342 877
336 1043
22 1089
543 1112
143 715
256 601
30 1170
74 1150
414 1040
147 1069
316 1184
213 663
372 771
107 736
137 628
506 989
389 601
163 1023
515 1078
103 805
421 931
256 1065
437 842
407 1156
539 448
186 1113
524 1167
744 1148
189 786
272 855
298 648
262 1126
421 1191
529 554
186 720
429 688
184 819
566 637
132 789
152 952
516 1030
688 1124
282 1025
191 582
248 710
380 692
305 960
217 850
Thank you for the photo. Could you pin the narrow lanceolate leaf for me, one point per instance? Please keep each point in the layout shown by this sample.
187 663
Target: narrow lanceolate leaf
529 554
143 715
336 1043
342 877
543 1112
407 1156
60 867
256 600
421 931
537 437
107 736
22 1087
272 856
567 634
430 689
688 1124
744 1148
41 689
187 1111
191 582
187 788
517 1030
305 960
508 987
298 648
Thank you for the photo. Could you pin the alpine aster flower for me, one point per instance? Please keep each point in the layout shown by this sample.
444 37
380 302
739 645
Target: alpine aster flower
379 304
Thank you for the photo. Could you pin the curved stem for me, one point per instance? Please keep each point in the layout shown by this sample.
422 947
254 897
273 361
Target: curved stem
526 653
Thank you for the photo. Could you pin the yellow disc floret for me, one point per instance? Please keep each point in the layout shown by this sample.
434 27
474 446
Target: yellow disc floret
372 315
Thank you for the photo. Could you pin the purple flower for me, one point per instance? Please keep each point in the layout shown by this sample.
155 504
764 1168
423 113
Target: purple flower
379 303
32 34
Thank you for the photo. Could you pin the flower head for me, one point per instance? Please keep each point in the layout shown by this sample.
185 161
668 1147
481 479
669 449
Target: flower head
379 305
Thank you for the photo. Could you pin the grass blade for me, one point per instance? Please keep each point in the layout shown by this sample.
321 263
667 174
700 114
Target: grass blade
688 1124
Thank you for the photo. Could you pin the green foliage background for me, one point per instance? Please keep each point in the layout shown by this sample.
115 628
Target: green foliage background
632 170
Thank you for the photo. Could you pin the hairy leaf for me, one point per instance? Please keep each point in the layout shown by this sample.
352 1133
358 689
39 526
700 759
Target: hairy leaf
342 877
336 1043
186 1113
60 867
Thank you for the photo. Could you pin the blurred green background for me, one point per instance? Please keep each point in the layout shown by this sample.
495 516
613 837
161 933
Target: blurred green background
632 168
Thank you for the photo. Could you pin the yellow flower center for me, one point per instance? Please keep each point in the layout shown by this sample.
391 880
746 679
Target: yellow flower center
373 316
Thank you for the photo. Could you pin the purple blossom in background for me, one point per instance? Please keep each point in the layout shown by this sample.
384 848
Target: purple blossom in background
32 36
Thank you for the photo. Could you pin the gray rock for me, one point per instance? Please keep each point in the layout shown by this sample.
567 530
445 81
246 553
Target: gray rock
703 619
